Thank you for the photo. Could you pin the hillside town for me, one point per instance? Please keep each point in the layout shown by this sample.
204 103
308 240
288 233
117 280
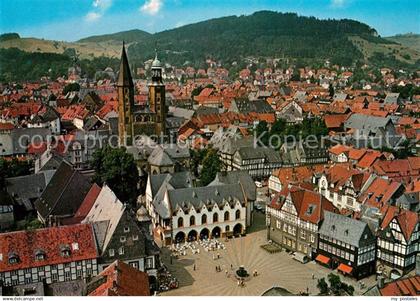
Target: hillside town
108 187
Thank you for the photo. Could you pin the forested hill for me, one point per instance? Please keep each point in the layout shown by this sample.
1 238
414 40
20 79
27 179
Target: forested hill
135 35
306 41
263 33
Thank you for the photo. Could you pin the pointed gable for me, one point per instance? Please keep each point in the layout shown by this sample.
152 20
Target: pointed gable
407 220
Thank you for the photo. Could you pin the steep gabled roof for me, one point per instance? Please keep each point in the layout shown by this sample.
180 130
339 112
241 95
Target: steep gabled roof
407 220
107 207
310 205
379 192
120 279
64 193
124 76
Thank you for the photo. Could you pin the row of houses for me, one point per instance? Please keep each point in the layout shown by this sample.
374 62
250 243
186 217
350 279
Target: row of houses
305 222
89 228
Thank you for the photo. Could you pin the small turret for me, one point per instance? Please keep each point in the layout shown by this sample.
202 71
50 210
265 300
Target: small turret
156 70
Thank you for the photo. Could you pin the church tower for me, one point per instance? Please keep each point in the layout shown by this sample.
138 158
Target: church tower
157 97
125 102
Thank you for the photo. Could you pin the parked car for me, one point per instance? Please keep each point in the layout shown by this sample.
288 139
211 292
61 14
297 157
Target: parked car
302 258
258 184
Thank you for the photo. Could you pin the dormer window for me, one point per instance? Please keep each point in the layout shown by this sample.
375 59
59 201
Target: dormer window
39 255
122 239
65 251
126 229
13 258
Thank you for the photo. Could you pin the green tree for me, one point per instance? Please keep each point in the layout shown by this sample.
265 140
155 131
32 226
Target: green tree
197 157
211 166
314 126
322 286
295 76
331 90
278 127
196 91
13 168
335 283
262 132
116 168
71 87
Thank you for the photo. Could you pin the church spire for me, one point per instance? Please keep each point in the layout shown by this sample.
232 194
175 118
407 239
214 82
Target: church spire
124 76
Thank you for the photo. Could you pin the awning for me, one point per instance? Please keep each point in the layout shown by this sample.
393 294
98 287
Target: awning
345 268
323 259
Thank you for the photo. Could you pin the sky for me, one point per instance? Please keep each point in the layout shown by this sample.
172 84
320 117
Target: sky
70 20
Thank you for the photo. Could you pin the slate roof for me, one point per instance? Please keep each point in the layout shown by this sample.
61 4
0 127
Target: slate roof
392 98
209 195
159 157
222 136
366 123
124 75
45 115
164 155
204 110
64 193
161 183
271 156
235 177
181 112
343 228
30 186
246 106
340 96
176 181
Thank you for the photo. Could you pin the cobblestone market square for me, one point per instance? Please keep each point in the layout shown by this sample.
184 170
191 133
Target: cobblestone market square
274 270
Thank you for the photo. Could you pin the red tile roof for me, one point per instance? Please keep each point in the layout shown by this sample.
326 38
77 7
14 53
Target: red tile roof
75 111
88 202
335 120
6 126
122 280
310 205
297 174
78 238
339 149
402 170
356 154
405 218
368 159
379 192
403 287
